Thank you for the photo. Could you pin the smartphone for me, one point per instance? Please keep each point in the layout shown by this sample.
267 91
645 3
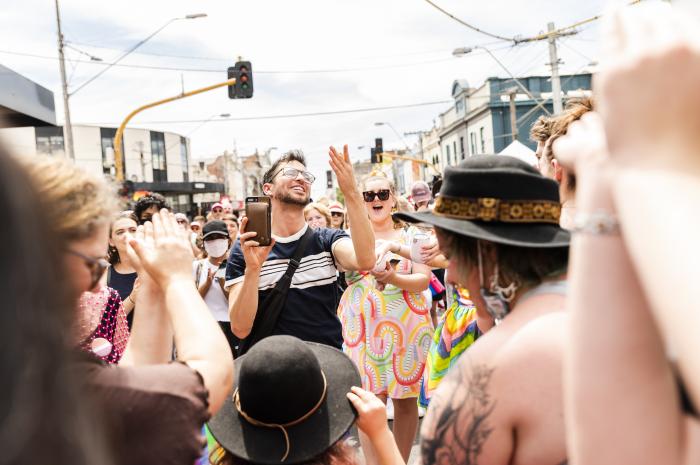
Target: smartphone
394 262
257 209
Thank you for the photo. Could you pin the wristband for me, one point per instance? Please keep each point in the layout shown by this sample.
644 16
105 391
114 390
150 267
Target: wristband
598 223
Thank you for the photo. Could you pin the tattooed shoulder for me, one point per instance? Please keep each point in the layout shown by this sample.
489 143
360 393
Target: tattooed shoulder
459 425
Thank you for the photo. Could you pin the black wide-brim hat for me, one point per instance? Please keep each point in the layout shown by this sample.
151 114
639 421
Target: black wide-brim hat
278 382
500 199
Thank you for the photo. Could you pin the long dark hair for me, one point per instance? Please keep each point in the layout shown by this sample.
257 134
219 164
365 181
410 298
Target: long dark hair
43 414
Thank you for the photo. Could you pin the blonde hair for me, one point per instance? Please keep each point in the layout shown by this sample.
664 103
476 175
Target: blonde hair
322 209
376 175
74 201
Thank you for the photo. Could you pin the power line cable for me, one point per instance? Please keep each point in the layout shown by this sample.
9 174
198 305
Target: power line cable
291 115
470 26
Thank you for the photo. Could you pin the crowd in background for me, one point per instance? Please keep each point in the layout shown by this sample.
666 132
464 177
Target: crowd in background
535 314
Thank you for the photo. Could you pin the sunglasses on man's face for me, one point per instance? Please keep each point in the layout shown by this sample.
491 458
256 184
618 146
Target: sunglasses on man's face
97 267
381 195
293 173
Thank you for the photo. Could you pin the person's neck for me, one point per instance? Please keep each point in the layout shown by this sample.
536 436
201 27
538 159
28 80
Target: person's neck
287 219
124 266
217 261
521 292
568 211
383 226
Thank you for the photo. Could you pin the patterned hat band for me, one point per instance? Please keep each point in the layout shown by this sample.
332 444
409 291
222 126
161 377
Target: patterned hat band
491 209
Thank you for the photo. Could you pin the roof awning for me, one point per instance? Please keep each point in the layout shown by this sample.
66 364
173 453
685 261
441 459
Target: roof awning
24 102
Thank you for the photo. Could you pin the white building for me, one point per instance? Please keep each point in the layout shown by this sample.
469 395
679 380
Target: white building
153 160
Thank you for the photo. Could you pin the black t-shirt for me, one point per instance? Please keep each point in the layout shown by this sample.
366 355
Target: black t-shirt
123 284
310 312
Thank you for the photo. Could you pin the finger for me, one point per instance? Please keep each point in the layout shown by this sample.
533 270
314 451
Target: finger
244 224
252 244
148 234
355 401
359 391
158 227
168 220
246 236
346 153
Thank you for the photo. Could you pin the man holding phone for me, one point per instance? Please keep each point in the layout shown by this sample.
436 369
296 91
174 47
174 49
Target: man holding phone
253 271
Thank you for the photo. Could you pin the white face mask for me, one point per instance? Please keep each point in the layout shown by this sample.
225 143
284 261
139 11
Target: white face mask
216 248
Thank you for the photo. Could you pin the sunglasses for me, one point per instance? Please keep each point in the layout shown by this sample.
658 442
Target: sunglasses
97 267
217 210
336 214
381 195
293 173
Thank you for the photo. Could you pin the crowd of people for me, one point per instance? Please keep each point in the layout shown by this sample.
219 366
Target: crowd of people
541 314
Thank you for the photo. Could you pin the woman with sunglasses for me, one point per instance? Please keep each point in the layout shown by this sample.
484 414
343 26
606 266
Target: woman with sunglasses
386 319
152 410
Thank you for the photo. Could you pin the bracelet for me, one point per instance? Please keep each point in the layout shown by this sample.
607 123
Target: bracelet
598 223
132 300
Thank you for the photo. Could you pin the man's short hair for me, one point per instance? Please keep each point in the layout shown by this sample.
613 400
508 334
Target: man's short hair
292 155
541 129
147 201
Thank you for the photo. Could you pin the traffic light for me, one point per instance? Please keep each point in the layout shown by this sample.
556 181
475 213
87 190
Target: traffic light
242 71
329 179
377 151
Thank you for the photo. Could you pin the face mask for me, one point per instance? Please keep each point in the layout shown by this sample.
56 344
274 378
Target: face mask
216 248
496 298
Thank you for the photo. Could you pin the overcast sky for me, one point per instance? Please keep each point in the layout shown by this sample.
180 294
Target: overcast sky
393 52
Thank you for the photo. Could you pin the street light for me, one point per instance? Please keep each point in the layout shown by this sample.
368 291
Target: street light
190 16
461 51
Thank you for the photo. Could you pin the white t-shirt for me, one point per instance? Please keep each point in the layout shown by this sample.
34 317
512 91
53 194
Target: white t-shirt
216 298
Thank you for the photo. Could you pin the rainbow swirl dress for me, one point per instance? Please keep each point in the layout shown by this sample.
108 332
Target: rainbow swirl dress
386 333
455 332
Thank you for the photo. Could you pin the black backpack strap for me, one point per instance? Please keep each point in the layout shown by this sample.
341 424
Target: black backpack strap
269 310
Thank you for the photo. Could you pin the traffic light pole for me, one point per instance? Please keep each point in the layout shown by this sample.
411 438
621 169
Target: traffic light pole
415 160
120 132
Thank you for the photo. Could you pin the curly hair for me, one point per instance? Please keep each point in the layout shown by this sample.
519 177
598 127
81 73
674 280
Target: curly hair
76 202
147 201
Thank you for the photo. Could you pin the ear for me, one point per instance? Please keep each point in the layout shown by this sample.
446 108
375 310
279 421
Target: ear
558 170
267 188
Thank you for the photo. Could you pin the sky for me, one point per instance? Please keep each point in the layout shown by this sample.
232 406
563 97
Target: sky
308 56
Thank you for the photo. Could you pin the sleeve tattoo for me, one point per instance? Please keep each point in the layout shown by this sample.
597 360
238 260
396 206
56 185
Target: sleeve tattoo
459 427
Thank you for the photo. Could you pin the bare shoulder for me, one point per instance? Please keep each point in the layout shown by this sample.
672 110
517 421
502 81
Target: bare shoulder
474 412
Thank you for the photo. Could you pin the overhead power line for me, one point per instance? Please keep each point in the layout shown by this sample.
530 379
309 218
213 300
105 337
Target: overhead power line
470 26
292 115
271 72
568 30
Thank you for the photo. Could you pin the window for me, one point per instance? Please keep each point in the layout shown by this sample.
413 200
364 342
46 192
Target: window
459 106
184 160
472 142
482 140
158 160
107 143
454 150
49 140
447 151
461 147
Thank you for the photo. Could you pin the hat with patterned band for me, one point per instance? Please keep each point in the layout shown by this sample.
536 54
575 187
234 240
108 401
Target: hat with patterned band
499 199
288 403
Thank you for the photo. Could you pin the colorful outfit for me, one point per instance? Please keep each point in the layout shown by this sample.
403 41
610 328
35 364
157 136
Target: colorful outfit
386 333
105 305
456 331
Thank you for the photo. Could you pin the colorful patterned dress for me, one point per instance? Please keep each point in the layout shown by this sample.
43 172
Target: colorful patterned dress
456 331
386 333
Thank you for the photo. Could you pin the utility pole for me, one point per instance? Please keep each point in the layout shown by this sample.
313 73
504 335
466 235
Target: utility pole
513 119
554 63
67 127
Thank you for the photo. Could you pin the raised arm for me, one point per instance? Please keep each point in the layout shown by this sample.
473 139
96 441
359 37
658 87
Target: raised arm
198 338
243 296
617 377
361 255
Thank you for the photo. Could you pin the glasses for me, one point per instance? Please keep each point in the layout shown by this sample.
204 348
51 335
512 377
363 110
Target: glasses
382 195
336 214
217 210
97 267
293 173
182 221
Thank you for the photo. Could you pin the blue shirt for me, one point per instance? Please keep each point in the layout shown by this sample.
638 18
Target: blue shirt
310 312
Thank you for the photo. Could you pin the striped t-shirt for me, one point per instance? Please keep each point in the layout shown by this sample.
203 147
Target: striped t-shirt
310 312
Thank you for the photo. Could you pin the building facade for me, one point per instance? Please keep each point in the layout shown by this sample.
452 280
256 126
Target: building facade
479 121
153 161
